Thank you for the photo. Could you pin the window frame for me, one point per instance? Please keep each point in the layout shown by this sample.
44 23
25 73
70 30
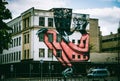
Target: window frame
50 22
41 21
41 52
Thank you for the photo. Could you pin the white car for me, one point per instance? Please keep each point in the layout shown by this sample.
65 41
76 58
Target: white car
98 73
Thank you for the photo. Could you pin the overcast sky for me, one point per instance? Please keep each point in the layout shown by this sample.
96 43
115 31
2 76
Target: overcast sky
107 11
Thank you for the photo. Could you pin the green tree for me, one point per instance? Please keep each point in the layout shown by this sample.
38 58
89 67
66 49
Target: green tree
5 36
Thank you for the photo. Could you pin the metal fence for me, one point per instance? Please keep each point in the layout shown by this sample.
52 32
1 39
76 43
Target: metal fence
61 79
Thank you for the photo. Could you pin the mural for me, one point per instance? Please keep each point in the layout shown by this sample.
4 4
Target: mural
58 40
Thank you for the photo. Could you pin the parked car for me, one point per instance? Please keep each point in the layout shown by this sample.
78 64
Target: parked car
98 73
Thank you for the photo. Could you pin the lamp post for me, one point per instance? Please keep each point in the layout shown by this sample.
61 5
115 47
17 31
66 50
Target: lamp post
41 62
50 69
30 68
11 70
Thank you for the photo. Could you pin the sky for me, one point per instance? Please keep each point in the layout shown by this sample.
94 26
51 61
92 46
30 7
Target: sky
107 11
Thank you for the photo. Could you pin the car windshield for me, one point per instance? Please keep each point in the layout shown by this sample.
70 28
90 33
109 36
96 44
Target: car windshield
91 71
102 72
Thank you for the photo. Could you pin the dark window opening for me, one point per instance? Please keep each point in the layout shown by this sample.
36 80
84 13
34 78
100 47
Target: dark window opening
41 21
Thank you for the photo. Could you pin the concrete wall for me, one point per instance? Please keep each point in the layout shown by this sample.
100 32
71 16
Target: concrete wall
94 35
103 57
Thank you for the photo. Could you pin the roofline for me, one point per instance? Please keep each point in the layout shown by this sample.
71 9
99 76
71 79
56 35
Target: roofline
14 19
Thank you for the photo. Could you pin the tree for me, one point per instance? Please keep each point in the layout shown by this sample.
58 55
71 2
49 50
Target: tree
5 36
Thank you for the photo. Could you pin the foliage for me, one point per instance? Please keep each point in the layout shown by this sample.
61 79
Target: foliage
5 36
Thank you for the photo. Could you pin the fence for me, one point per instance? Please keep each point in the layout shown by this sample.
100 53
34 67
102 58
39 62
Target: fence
61 79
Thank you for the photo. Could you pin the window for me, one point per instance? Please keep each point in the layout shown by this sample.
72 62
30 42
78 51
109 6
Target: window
19 40
41 37
14 42
41 21
28 54
19 25
50 37
73 56
14 28
50 22
50 53
19 55
26 38
24 54
84 56
16 55
59 38
79 56
14 58
59 53
73 41
5 58
26 22
78 41
41 52
10 58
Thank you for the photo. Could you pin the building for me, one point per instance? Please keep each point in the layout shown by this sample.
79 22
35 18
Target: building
29 52
110 43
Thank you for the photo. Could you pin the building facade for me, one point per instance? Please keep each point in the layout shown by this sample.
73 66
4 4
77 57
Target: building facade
29 51
110 43
26 44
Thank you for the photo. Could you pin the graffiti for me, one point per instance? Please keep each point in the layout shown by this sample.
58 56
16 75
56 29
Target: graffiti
58 40
67 72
